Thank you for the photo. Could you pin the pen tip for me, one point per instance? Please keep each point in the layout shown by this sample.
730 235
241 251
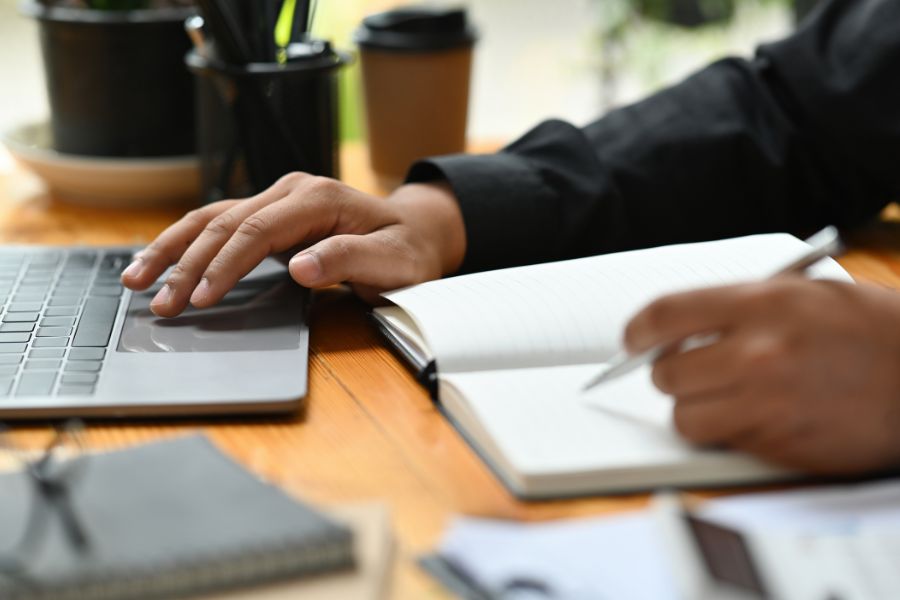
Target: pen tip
591 383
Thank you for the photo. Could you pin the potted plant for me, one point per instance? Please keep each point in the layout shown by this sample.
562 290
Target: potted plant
686 13
115 75
617 17
694 13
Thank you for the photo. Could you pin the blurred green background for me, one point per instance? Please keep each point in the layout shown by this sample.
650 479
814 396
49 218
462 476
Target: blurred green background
575 58
535 58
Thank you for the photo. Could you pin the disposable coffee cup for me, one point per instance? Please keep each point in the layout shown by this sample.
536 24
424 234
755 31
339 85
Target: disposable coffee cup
416 66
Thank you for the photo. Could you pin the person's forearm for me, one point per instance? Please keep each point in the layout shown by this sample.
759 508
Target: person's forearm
806 133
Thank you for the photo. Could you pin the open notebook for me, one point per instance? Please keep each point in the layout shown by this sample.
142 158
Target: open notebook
512 348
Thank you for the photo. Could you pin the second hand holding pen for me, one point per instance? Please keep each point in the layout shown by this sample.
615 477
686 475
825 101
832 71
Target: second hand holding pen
823 244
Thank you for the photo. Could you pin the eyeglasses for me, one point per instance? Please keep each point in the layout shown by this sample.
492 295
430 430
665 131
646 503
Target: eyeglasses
51 477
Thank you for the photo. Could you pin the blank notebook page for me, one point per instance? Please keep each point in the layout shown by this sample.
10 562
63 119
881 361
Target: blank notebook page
536 423
574 311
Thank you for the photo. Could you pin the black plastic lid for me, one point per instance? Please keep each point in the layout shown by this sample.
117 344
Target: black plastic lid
416 28
68 14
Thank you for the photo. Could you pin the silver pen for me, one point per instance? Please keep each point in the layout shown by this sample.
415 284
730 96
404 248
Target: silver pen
823 244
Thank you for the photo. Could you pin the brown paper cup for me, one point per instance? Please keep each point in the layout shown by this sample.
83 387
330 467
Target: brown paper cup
416 74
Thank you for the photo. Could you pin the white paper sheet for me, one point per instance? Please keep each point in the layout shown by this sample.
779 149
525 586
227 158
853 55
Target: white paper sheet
615 558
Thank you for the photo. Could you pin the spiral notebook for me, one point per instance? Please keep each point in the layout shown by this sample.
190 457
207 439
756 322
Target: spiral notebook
165 519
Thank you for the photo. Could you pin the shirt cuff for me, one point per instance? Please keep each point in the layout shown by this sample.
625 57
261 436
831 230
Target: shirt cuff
499 196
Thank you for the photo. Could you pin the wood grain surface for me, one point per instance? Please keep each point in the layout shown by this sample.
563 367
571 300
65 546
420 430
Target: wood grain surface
368 431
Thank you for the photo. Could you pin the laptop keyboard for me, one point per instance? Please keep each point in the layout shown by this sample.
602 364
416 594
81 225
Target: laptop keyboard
58 311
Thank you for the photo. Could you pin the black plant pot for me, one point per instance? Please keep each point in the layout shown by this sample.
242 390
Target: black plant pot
116 80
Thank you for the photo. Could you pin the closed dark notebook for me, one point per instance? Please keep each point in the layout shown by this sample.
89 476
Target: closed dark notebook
162 520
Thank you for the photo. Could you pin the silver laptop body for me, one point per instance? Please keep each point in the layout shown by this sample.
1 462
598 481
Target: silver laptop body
73 342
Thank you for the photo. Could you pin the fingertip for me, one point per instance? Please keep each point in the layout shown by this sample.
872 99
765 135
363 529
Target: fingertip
635 337
132 275
200 297
161 300
165 311
660 322
305 268
164 303
138 284
139 275
134 269
158 311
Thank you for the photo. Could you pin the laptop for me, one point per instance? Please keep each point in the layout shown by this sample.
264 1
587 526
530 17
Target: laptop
74 342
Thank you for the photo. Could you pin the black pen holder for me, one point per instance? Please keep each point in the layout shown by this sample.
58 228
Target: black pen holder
258 122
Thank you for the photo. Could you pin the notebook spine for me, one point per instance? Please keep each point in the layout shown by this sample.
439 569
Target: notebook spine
230 571
424 371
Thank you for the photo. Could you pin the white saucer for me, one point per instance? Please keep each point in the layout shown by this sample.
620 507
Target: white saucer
102 181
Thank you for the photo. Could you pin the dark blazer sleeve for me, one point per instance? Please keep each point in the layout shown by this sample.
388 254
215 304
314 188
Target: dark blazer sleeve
804 134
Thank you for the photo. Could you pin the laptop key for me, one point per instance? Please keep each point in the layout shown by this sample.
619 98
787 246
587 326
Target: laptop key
112 277
11 327
51 342
80 260
10 359
87 353
96 322
43 363
12 348
53 332
24 317
25 307
106 290
47 353
5 338
39 267
84 365
79 377
5 385
36 278
115 261
50 257
69 290
55 322
24 295
8 370
61 311
36 383
75 390
64 301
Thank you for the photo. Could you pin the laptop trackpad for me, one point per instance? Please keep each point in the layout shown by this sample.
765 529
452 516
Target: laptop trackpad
265 311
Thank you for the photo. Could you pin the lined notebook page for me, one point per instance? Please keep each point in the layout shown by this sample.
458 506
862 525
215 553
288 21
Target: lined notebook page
573 312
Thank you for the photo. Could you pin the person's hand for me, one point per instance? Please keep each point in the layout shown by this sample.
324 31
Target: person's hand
804 373
342 234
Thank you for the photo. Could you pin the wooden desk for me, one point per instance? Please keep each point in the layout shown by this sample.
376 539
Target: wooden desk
369 431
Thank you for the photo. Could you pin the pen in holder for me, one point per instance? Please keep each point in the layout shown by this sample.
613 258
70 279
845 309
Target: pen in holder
259 121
